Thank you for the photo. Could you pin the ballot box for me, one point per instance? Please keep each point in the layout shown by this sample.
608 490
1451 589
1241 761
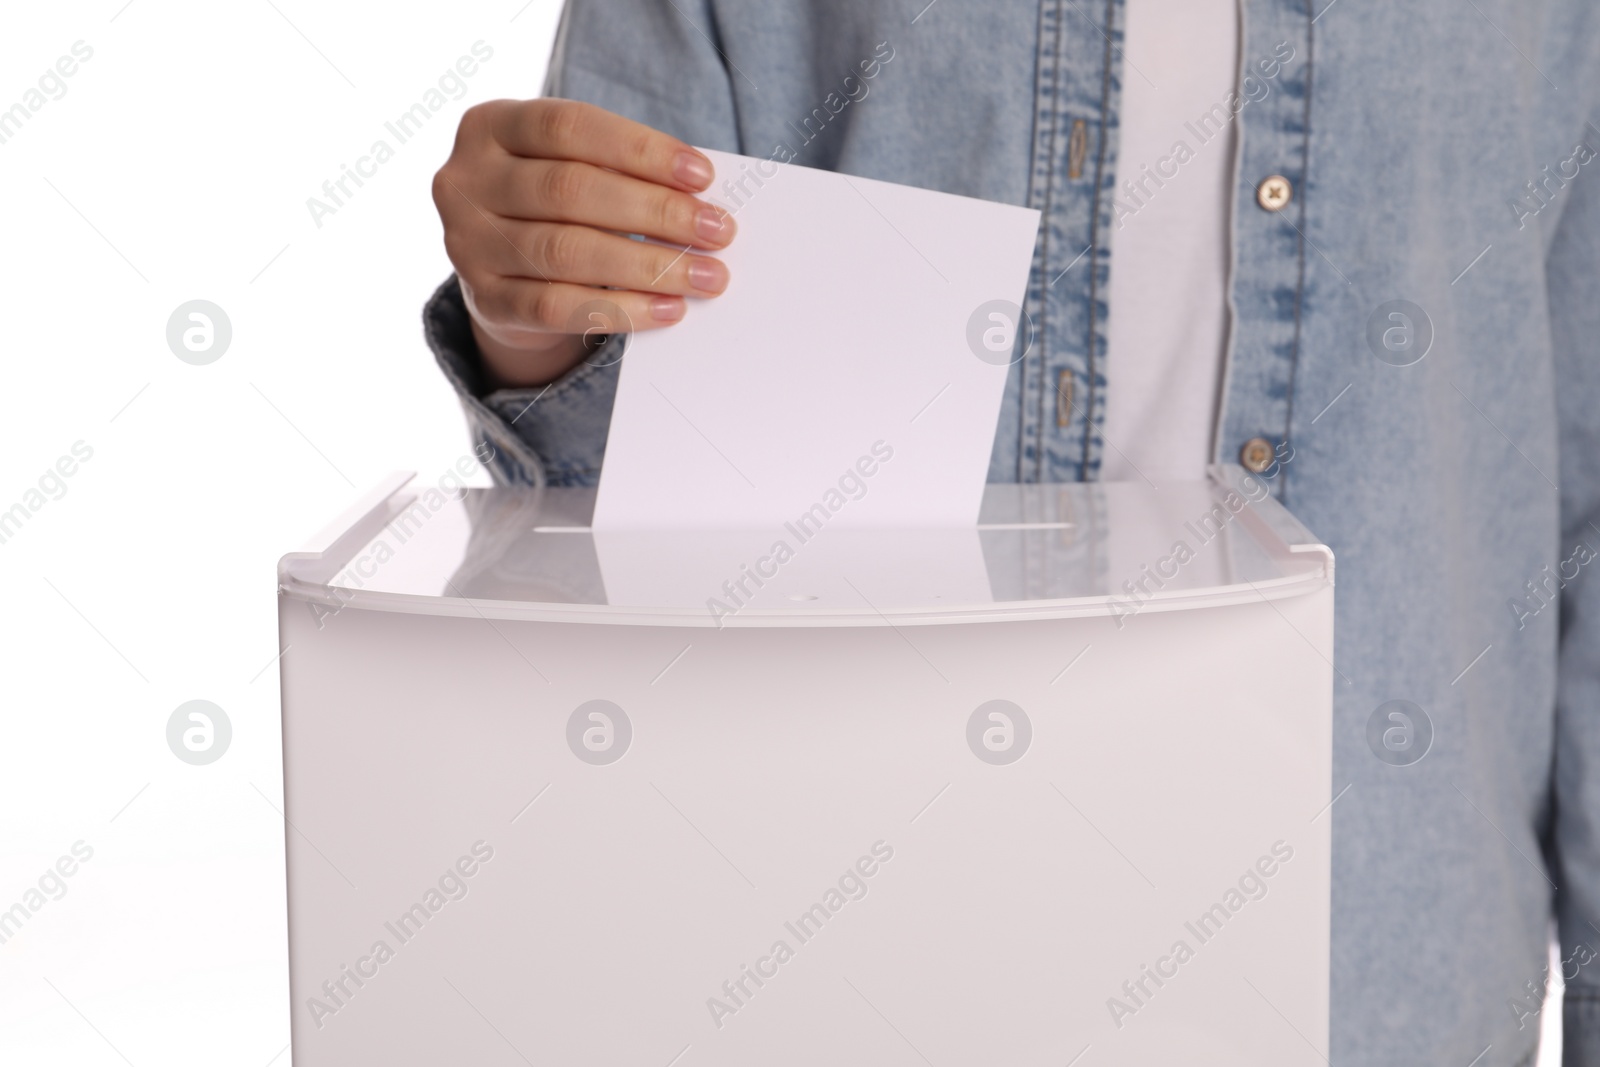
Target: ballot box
1052 789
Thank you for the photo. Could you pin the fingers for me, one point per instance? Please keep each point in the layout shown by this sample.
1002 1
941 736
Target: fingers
561 191
578 254
519 307
570 130
581 194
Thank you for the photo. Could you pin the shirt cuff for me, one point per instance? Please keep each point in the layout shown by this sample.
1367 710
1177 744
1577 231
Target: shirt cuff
553 434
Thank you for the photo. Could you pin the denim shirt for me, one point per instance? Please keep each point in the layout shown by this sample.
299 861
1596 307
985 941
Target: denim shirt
1413 359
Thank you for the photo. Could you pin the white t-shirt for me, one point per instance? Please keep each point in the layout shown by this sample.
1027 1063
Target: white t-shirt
1167 295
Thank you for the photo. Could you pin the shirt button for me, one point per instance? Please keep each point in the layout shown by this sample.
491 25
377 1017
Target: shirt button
1274 193
1256 455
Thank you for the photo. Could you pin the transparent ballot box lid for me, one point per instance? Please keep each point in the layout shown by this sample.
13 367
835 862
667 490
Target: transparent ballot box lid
1038 551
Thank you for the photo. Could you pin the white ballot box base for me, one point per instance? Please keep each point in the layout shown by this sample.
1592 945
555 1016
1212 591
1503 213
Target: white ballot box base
528 825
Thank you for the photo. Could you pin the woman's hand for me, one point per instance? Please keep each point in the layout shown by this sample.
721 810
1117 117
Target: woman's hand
535 198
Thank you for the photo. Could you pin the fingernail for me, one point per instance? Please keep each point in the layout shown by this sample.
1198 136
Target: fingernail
692 169
666 308
713 225
708 275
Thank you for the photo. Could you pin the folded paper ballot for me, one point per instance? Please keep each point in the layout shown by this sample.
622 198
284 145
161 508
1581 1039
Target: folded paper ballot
851 375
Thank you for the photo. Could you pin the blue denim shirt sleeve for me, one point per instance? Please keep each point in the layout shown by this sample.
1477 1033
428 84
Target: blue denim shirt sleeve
1574 286
553 434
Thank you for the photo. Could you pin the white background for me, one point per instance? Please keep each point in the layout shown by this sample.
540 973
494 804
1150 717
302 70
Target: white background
176 167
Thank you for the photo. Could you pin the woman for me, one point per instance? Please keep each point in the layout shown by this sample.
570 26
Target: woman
1354 247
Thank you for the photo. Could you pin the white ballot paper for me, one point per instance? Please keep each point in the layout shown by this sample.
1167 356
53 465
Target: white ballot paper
850 376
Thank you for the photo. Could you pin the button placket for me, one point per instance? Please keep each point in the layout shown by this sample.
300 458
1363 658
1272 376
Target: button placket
1058 389
1269 270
